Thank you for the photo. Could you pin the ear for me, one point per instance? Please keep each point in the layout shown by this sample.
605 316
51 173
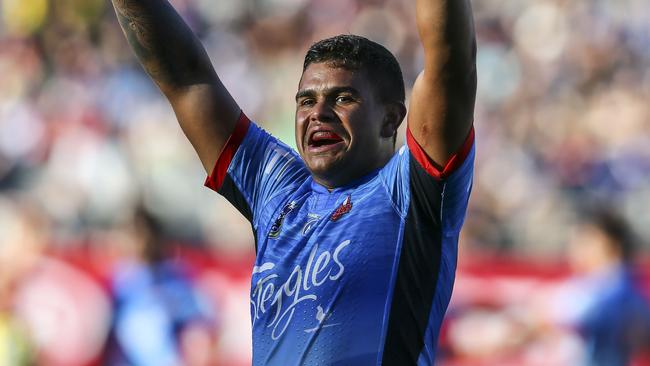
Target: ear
394 115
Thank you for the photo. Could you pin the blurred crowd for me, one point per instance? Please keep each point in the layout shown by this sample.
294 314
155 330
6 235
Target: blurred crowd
92 160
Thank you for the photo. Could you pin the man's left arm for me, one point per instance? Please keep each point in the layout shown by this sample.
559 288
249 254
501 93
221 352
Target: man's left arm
442 103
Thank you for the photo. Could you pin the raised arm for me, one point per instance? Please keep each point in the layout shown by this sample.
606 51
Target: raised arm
442 103
177 62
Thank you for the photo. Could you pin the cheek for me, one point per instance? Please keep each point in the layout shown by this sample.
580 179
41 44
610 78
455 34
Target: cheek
299 126
299 123
355 120
364 124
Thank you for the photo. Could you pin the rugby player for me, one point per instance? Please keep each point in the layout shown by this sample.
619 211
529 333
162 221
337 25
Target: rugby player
355 243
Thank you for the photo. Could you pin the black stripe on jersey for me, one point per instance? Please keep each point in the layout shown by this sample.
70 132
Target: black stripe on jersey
417 274
235 197
230 191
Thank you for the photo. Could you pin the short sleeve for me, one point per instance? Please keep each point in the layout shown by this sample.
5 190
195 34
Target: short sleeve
411 179
253 168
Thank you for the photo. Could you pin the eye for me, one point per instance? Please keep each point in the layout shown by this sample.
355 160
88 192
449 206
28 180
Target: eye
307 102
343 99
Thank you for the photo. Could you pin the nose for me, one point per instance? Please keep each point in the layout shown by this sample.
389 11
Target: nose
321 112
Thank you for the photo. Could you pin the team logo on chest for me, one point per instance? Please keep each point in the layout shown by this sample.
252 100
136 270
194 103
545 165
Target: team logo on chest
277 225
345 207
312 219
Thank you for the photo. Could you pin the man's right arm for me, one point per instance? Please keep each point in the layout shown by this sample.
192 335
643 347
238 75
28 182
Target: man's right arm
177 62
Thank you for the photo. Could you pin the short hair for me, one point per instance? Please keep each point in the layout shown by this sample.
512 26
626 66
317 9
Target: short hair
358 53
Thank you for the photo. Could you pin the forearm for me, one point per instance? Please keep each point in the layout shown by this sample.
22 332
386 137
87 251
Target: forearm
446 29
165 46
175 59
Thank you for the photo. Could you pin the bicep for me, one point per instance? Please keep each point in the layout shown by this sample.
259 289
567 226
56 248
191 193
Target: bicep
442 103
207 114
441 111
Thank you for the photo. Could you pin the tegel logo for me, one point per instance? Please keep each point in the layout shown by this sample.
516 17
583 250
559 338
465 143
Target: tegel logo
278 300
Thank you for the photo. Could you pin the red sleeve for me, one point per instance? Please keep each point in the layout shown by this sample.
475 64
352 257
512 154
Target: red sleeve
215 180
454 162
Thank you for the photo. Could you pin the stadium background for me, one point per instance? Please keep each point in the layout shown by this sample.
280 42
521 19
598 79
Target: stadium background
562 119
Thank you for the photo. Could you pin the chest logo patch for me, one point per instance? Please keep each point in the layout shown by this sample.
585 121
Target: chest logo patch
345 207
312 220
277 225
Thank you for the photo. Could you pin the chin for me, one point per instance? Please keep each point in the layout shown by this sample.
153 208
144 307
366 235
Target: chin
325 170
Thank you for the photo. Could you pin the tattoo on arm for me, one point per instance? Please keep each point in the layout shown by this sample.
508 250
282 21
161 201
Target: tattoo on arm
164 44
136 24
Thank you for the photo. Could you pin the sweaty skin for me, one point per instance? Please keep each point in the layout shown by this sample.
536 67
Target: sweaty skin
339 106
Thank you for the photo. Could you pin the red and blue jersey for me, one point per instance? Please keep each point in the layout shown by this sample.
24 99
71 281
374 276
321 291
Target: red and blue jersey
360 275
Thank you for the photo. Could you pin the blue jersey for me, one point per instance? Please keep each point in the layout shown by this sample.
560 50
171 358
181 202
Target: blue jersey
360 275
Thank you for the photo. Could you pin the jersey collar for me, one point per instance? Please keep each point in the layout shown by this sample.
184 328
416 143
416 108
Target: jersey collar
318 188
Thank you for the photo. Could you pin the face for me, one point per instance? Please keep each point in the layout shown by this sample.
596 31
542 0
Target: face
342 130
590 250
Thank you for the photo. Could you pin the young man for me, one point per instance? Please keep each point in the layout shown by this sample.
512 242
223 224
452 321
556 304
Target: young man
356 245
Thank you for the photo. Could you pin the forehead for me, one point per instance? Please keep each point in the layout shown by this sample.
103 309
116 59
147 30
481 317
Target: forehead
323 76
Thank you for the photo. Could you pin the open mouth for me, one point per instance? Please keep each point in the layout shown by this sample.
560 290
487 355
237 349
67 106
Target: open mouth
321 139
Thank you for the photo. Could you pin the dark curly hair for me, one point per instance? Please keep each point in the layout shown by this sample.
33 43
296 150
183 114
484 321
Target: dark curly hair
358 53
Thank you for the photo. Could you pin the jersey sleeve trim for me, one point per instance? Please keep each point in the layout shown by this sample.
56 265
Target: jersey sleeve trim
215 180
455 162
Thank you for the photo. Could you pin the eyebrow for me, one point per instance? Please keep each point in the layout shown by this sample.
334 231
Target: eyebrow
305 93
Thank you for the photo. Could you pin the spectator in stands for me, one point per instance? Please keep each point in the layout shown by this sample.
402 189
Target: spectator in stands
613 316
157 305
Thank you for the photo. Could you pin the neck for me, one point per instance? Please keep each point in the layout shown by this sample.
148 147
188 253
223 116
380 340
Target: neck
342 178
